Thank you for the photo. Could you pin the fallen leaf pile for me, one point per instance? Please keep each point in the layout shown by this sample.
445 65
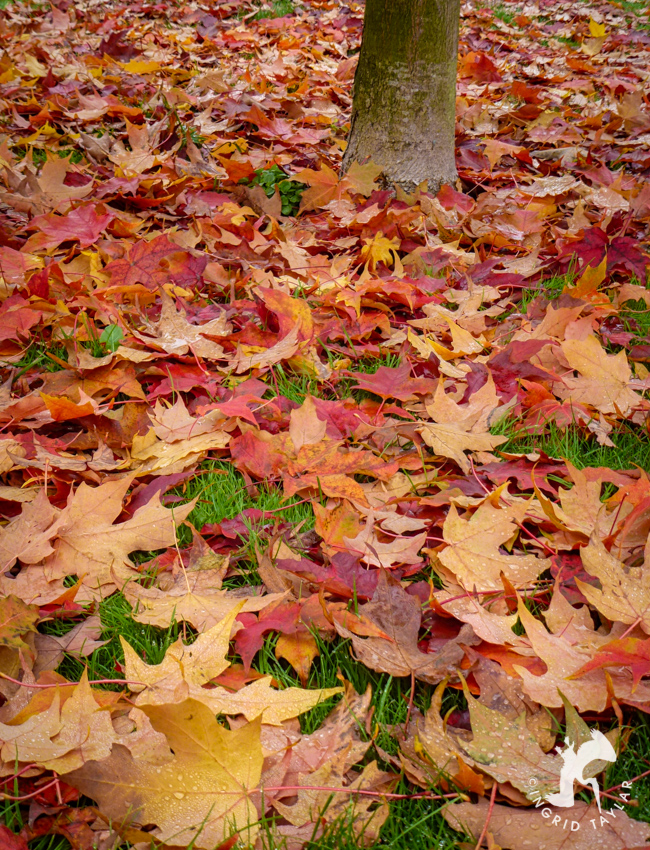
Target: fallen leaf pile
193 300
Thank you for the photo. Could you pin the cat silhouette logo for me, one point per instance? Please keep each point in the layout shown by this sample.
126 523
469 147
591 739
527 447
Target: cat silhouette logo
575 761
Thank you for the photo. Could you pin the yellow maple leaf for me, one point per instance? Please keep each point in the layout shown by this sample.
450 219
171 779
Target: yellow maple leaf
379 249
597 30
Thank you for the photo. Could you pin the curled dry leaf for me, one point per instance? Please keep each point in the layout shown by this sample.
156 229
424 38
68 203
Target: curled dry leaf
398 615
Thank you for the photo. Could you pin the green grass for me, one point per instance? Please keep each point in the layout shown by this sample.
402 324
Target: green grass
570 42
277 9
551 288
636 318
11 814
150 643
636 7
36 356
282 381
504 13
631 445
223 494
632 762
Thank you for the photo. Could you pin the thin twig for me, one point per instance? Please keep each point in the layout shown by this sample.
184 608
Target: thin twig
71 684
422 795
493 797
30 795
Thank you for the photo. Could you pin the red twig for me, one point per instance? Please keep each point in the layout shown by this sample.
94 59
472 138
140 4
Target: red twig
420 795
20 773
616 787
71 684
493 797
42 788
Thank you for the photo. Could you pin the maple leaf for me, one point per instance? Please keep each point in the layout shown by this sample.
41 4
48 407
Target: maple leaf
488 624
173 334
631 653
312 800
400 550
17 317
395 382
398 615
84 224
506 749
16 619
150 264
473 554
604 379
324 185
380 249
194 594
363 178
306 427
460 428
452 441
513 828
430 756
82 640
28 536
625 591
150 455
54 186
326 759
62 737
199 795
89 543
185 669
563 659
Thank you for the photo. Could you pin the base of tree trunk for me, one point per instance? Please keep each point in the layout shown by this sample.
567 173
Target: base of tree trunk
404 111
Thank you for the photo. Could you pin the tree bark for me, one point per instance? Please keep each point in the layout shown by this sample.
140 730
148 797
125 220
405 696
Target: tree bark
404 109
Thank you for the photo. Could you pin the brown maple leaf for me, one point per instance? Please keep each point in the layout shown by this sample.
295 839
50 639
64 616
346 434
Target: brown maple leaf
398 615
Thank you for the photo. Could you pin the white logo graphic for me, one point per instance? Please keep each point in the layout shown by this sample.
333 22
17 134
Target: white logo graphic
575 761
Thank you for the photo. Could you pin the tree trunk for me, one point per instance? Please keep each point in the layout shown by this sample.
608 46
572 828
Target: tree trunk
404 110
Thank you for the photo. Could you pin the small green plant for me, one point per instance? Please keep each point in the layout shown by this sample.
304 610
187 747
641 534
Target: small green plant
111 337
101 344
290 190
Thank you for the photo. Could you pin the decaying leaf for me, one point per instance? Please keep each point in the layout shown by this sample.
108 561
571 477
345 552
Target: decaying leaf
398 615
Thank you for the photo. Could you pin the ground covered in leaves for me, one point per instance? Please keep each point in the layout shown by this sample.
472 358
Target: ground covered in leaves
325 509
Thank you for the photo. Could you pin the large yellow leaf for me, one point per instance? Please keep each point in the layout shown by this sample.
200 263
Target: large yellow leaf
473 554
201 795
185 669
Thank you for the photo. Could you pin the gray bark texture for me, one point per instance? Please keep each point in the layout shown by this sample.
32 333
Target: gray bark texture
404 109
